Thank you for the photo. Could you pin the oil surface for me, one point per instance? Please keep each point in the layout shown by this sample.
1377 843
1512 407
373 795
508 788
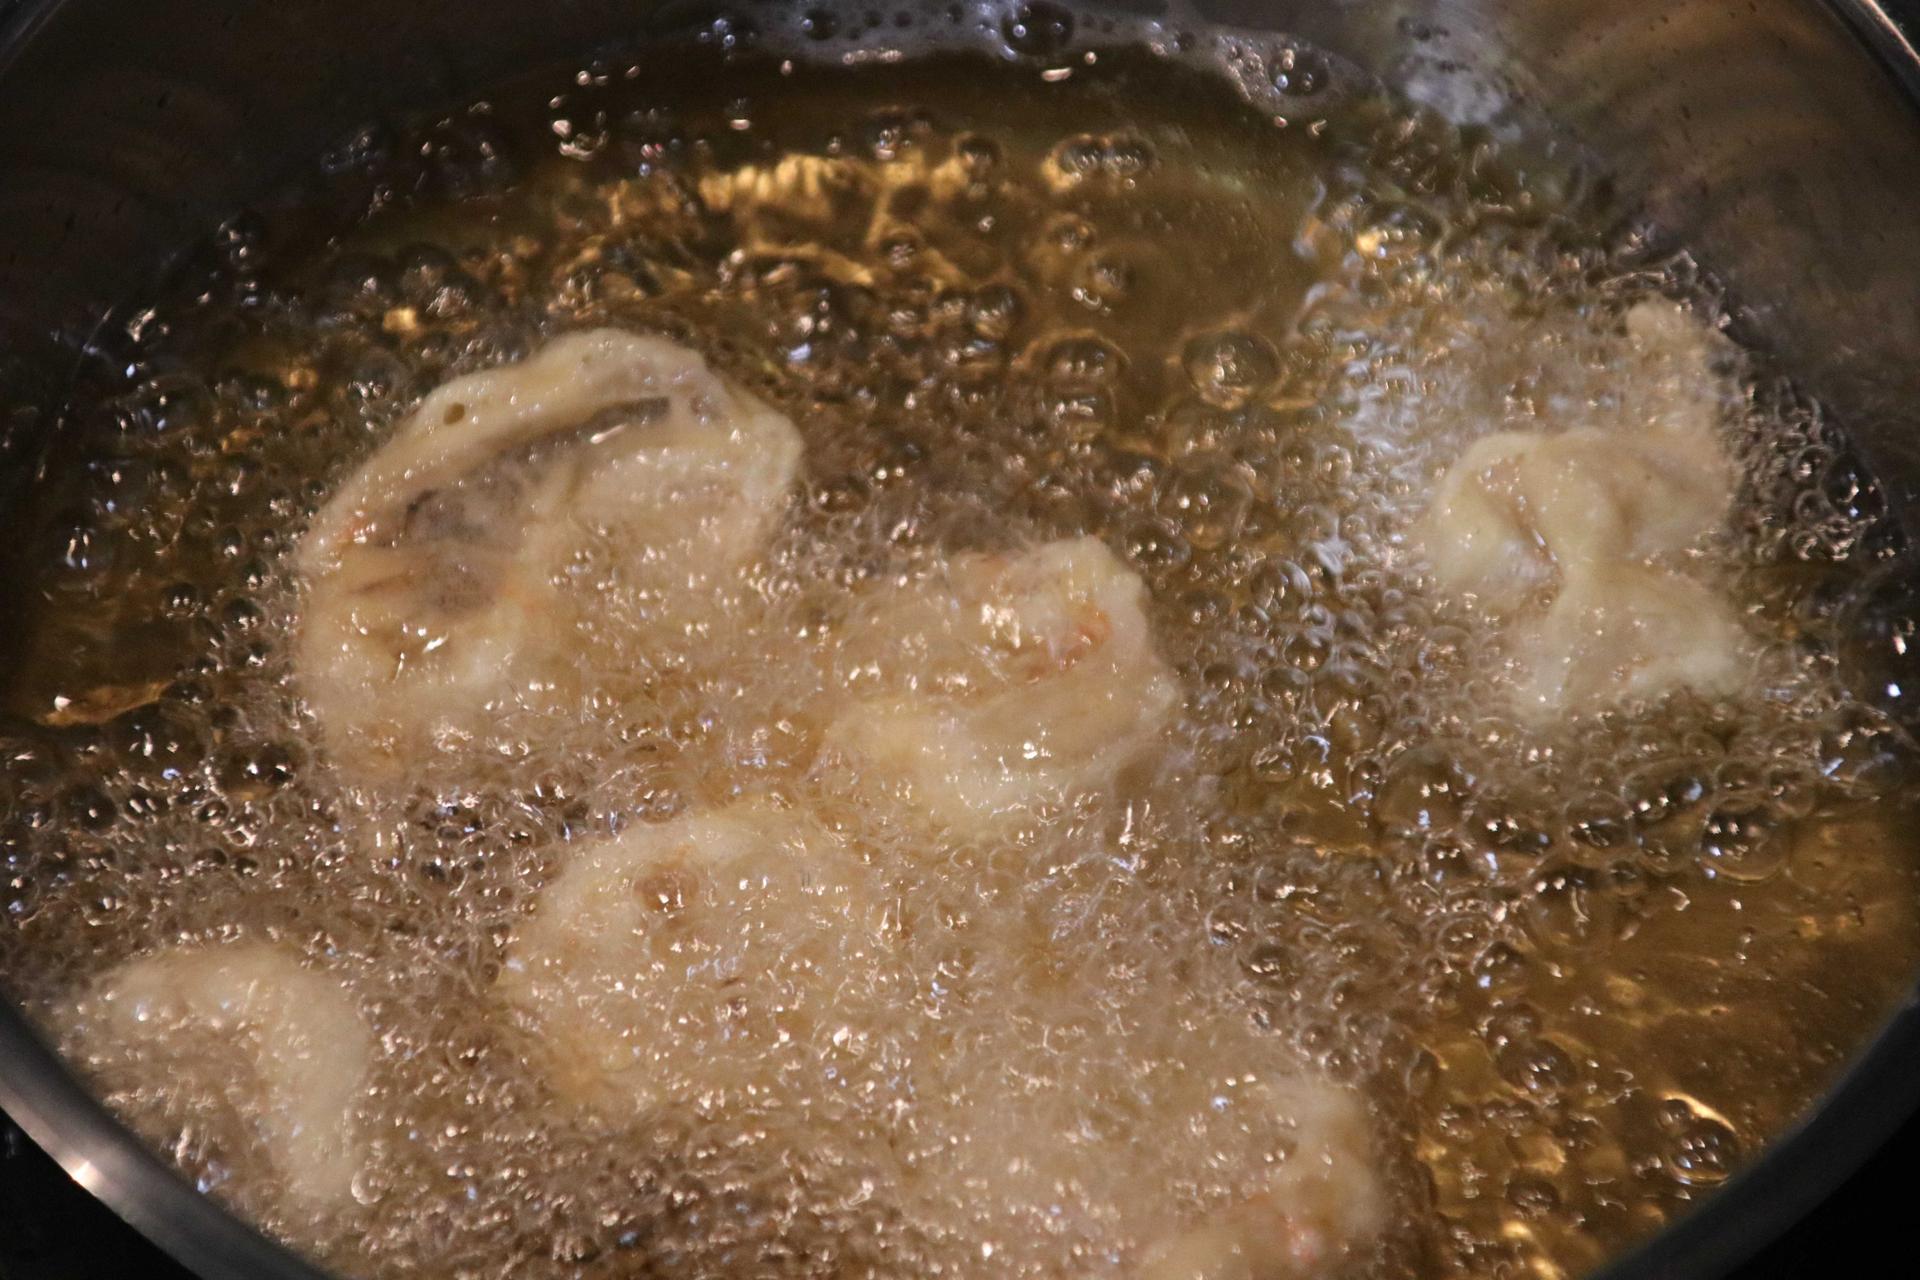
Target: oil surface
1580 974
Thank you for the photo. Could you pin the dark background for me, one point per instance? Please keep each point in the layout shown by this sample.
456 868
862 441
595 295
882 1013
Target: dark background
51 1230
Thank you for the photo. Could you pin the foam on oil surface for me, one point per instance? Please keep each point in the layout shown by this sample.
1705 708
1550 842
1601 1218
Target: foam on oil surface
1579 975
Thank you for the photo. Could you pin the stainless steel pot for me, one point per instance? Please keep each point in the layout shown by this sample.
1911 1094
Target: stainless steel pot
1778 138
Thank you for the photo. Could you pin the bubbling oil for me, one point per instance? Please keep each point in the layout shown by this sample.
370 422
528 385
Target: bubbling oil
1580 974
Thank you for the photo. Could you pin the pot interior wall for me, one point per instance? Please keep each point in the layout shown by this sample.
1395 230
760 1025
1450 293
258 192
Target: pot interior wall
1763 134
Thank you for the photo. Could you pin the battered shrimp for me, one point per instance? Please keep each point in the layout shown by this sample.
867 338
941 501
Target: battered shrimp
1008 680
1064 1131
725 960
1620 631
1519 510
302 1044
1314 1201
445 577
1052 1180
1568 539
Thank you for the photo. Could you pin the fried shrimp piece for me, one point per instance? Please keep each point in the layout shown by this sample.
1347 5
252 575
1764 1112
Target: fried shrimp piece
725 960
1047 1174
1065 1129
1315 1202
1565 539
1519 510
1008 679
183 1019
1625 631
443 580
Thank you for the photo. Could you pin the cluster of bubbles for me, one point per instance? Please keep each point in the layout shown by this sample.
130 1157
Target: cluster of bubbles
1237 351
